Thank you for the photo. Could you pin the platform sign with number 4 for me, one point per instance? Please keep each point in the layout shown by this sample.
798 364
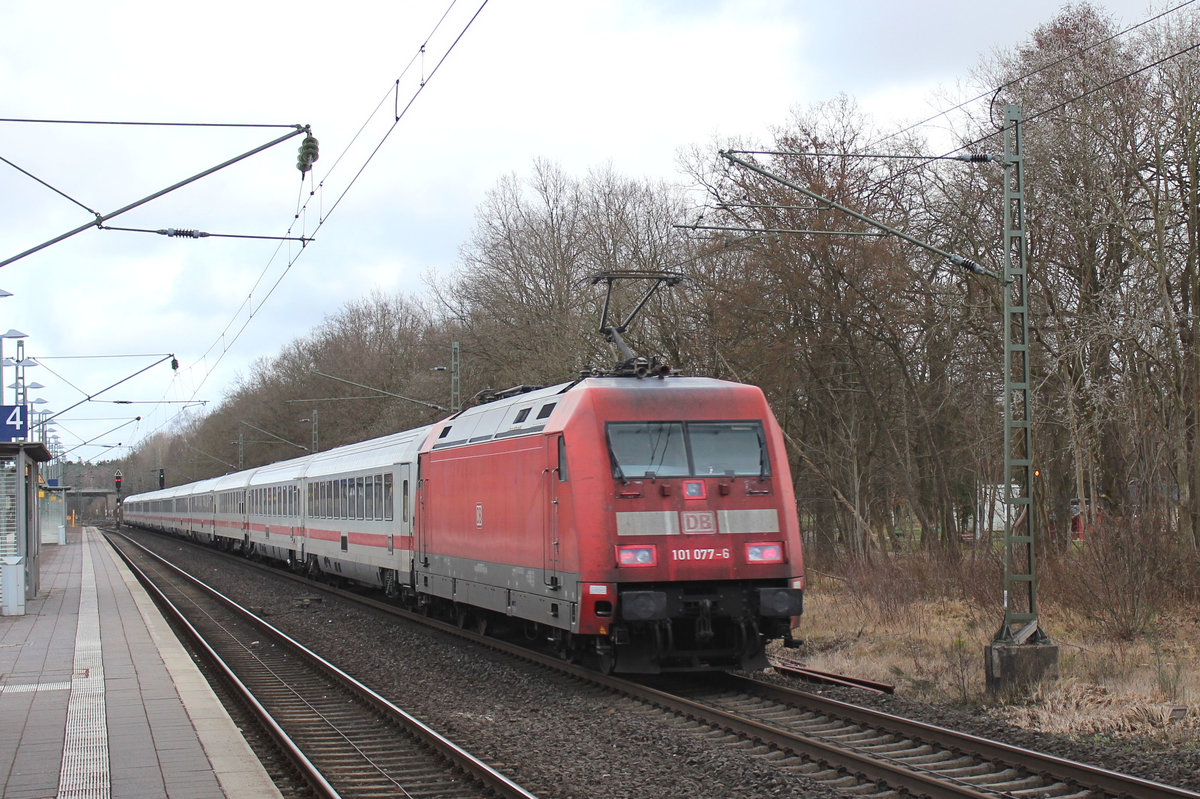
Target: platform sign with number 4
15 424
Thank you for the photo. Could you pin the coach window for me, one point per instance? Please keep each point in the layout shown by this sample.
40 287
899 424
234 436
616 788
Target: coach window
378 480
361 503
369 488
387 496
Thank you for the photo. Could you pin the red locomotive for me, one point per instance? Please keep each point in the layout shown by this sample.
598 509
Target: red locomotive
649 520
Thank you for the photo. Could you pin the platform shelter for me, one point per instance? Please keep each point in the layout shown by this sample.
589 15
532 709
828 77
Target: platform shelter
20 523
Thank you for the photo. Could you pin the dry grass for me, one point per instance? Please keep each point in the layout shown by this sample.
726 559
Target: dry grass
919 628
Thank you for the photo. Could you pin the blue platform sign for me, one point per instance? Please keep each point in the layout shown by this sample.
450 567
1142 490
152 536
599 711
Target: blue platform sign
14 423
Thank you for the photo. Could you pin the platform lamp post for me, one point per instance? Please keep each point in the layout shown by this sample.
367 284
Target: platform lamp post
37 416
15 334
21 363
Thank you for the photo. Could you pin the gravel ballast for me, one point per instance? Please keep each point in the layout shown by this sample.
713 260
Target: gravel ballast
558 738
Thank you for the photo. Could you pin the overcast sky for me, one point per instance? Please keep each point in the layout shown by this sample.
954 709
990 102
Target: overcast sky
626 83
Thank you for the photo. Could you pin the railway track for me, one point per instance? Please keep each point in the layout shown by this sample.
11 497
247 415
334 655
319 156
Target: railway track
903 755
343 737
848 747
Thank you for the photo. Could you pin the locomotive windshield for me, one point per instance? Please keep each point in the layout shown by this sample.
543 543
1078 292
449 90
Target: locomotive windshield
687 449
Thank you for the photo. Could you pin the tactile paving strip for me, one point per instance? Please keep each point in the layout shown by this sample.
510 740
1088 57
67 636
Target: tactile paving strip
85 773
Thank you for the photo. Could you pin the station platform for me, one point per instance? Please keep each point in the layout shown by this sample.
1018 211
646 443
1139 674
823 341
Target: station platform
99 699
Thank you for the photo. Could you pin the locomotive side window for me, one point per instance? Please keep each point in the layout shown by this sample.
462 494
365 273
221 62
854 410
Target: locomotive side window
562 460
521 416
546 411
647 448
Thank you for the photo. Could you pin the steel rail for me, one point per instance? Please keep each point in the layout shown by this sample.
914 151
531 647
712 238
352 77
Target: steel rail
813 675
485 775
1094 777
309 771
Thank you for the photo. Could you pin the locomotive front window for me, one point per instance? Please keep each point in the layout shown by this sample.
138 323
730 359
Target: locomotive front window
687 449
728 448
647 448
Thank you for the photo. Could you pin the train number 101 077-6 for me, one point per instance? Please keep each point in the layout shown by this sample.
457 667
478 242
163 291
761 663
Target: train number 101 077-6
701 553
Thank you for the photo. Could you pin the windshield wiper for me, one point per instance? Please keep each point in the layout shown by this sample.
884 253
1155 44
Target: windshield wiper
616 463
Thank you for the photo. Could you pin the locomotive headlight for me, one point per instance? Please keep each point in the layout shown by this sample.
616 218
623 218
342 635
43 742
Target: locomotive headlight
645 555
764 553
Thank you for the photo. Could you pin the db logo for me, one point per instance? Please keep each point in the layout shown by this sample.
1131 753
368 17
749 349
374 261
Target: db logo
698 522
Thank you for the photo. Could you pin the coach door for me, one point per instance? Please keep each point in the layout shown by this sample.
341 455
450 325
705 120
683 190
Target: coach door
397 492
550 543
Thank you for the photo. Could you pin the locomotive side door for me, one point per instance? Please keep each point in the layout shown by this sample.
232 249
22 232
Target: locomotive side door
550 543
421 522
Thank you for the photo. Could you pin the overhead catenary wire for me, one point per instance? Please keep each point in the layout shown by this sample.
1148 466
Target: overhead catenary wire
200 234
255 308
101 218
1030 119
1032 73
229 336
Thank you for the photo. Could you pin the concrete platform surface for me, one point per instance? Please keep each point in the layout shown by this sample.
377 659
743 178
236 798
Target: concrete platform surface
99 699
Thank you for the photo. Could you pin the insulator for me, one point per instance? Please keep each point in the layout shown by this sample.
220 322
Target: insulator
969 265
180 233
975 158
309 152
